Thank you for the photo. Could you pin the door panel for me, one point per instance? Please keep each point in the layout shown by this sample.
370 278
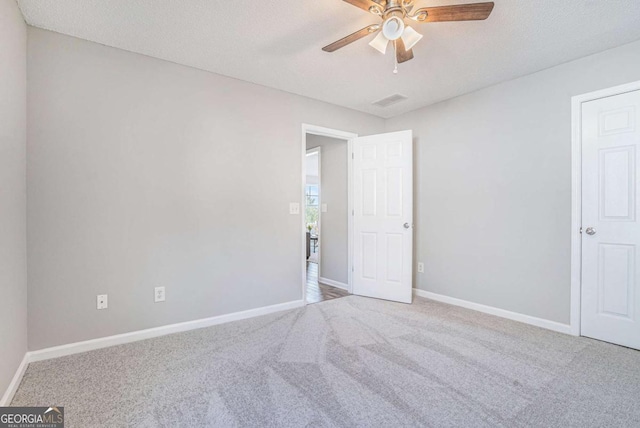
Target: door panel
615 291
617 185
383 203
369 255
611 231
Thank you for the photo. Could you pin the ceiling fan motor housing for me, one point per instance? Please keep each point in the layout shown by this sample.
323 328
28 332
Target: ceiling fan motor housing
403 7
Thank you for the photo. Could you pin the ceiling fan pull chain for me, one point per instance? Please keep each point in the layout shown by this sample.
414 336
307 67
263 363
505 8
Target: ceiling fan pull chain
395 57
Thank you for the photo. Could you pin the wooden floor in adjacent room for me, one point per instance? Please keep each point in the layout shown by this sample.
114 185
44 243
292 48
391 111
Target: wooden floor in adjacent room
317 292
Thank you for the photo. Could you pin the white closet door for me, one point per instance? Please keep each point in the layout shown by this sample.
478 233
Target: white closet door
611 230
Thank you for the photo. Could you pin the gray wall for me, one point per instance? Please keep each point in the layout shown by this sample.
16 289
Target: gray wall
493 186
13 257
144 173
334 230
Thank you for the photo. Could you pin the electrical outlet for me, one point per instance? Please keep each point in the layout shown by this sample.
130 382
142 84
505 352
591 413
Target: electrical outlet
102 302
420 267
159 295
324 208
294 208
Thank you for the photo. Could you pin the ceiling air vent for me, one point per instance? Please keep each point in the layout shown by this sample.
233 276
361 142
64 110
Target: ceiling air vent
389 101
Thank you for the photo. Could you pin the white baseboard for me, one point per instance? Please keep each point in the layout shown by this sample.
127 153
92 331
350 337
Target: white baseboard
514 316
333 283
15 382
104 342
134 336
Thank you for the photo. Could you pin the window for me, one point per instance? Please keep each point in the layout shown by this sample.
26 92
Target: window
312 196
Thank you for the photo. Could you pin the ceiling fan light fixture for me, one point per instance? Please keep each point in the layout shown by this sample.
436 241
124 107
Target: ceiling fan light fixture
393 27
380 43
410 37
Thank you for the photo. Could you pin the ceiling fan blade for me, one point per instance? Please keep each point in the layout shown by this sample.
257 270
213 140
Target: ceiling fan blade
368 5
352 38
402 54
461 12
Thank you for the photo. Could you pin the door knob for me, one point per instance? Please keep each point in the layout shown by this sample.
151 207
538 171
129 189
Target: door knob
591 231
407 225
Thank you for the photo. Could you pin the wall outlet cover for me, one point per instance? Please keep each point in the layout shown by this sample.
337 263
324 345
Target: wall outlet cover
294 208
324 208
159 295
102 301
420 267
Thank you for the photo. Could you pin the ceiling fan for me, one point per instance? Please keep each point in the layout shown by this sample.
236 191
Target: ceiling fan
393 28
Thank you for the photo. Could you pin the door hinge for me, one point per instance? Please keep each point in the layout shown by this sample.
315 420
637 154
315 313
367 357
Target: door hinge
353 269
353 212
353 156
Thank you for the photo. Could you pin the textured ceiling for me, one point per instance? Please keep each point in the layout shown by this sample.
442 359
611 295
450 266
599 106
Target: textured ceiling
278 43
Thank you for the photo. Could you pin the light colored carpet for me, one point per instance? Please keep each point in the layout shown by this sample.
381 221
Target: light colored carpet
348 362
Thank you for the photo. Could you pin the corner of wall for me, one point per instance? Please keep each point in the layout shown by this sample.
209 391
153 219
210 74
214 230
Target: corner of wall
13 257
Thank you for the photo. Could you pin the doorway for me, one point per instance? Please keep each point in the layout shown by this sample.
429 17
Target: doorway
606 237
326 218
312 203
379 234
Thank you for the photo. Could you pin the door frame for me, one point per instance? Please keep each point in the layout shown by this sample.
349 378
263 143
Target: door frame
318 151
576 193
340 135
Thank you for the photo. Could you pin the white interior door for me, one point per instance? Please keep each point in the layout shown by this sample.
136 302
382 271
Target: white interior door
383 216
611 230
